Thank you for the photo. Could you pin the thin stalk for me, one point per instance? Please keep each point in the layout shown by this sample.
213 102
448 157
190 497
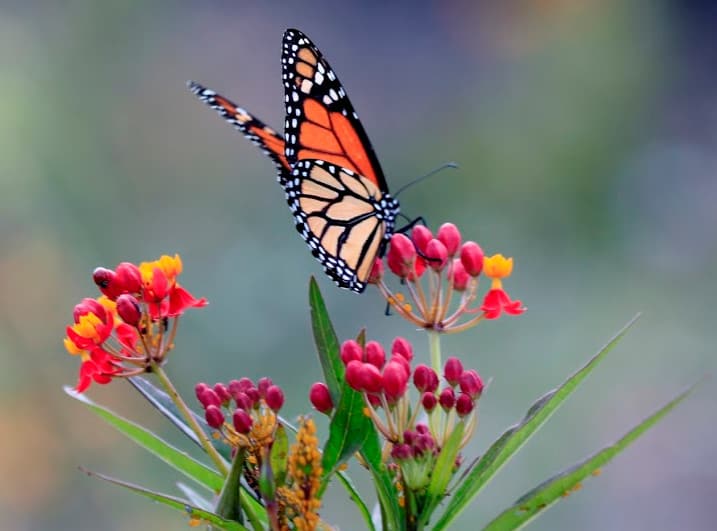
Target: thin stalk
434 348
191 421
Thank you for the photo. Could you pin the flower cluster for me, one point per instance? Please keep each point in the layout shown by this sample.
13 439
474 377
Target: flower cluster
434 269
385 385
127 329
252 409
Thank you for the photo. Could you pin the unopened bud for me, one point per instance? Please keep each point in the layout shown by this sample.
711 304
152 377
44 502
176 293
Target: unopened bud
421 235
242 421
401 347
472 258
449 235
471 383
128 278
375 355
214 417
452 370
350 351
436 255
464 405
447 399
128 309
321 398
274 397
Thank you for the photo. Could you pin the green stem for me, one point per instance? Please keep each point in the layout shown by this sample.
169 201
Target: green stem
434 347
187 414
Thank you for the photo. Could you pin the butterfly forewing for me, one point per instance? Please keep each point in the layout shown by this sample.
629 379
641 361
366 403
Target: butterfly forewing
320 121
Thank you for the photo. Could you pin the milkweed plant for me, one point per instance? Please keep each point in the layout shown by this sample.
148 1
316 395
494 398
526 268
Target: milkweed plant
403 412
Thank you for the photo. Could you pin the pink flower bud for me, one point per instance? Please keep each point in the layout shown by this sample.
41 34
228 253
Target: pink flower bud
421 235
450 237
128 278
401 452
395 381
199 389
321 398
376 274
447 399
401 347
214 417
436 255
243 401
239 386
422 428
263 384
375 354
209 398
374 400
351 350
88 306
429 401
464 405
403 363
409 436
452 370
128 309
458 276
472 258
353 375
242 421
471 383
223 393
274 397
401 256
254 396
424 444
371 379
422 378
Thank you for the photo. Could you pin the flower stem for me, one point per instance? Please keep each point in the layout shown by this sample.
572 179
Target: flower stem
434 347
187 414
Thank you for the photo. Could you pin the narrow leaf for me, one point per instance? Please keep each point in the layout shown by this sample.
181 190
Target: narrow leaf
175 503
385 488
177 459
228 505
568 481
279 455
348 431
327 343
516 436
442 471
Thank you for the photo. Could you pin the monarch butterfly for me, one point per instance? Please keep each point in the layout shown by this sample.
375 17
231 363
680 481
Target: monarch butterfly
333 181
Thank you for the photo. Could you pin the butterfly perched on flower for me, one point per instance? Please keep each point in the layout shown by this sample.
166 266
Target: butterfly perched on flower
333 181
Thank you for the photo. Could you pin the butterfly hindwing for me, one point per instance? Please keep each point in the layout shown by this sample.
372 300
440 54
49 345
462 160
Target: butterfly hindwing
343 217
268 140
320 121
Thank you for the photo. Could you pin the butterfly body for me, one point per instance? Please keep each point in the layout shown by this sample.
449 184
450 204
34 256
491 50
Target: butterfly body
332 179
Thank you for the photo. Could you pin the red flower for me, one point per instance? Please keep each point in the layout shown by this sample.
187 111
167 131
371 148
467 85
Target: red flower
497 301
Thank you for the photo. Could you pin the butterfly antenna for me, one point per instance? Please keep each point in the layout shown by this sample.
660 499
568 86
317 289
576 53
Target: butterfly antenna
426 176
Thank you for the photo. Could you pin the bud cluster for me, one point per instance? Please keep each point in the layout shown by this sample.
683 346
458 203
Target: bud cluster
252 410
385 385
434 269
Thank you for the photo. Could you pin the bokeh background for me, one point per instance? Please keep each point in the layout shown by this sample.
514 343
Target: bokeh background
587 137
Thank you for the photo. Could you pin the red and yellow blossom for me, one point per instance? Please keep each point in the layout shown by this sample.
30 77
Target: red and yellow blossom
126 330
441 276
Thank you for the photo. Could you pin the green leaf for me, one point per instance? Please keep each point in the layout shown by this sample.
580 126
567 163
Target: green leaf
385 489
229 506
348 431
175 503
516 436
163 403
327 344
177 459
561 485
361 434
279 455
442 472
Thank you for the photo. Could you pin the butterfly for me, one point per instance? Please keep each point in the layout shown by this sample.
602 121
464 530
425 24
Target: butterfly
330 174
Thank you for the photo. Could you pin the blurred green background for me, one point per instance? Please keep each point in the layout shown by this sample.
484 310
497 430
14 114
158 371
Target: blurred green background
587 137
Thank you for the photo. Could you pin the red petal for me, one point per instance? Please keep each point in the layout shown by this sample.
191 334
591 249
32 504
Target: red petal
180 299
